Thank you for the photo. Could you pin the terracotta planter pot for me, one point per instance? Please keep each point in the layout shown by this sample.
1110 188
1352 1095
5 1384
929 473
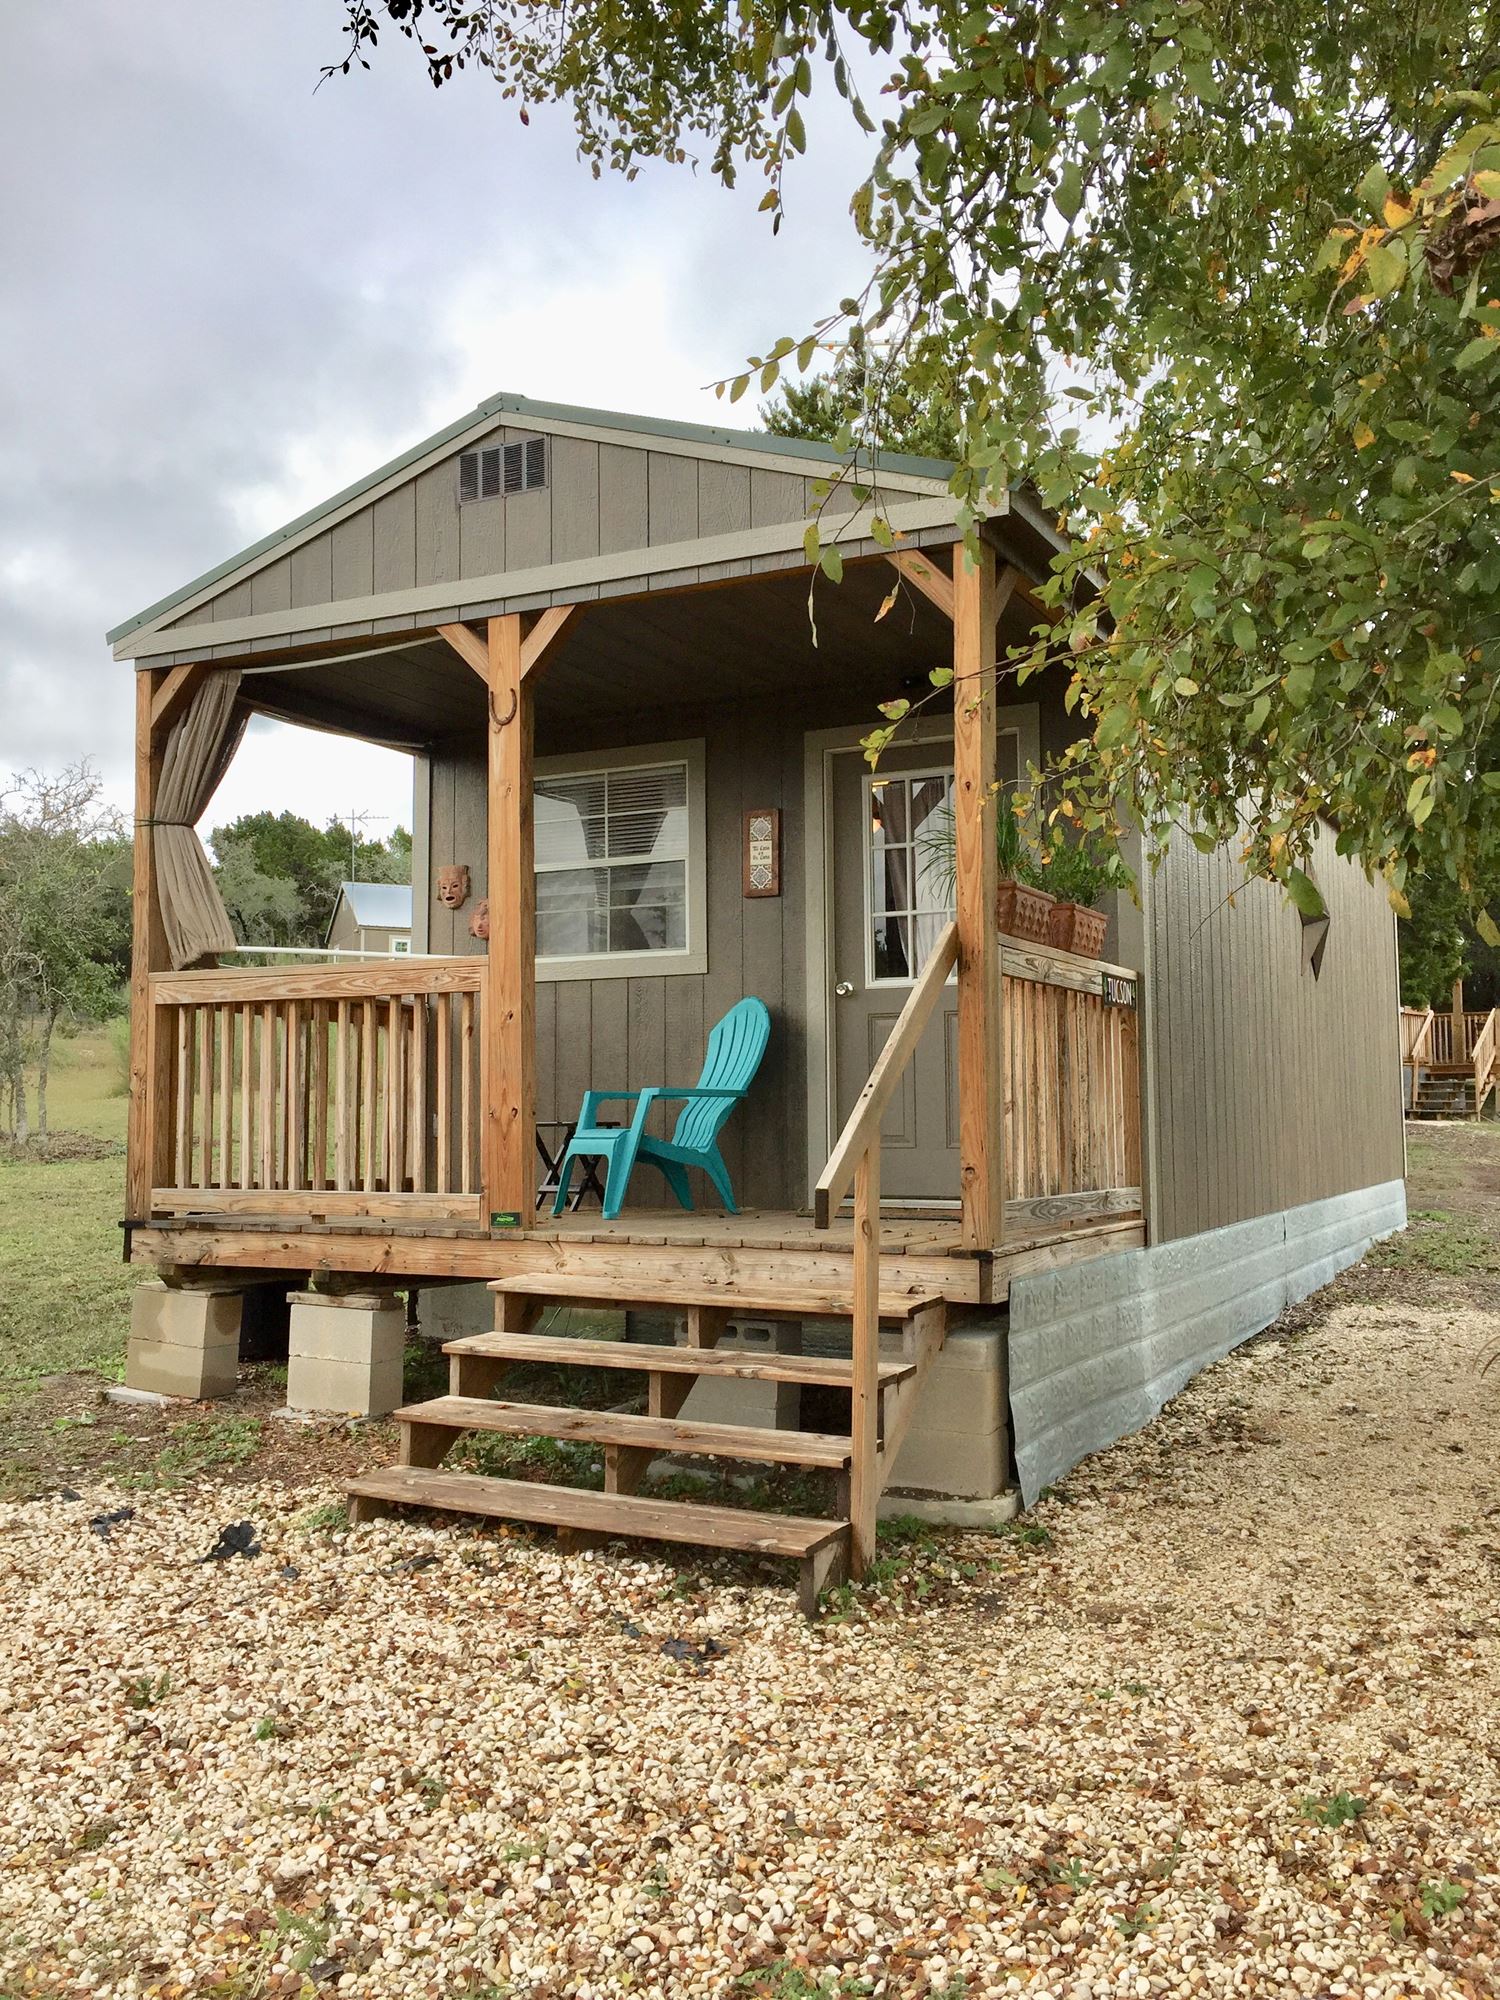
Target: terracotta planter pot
1022 912
1074 928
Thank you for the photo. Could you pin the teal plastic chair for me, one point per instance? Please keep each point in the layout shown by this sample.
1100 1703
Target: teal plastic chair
735 1047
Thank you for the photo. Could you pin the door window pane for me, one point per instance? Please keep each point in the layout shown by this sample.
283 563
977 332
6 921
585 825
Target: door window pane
910 834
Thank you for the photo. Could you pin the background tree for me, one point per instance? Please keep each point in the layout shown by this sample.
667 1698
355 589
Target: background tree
1214 278
64 922
279 875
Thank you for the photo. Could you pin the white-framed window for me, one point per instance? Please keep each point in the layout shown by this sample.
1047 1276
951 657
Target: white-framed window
401 945
620 863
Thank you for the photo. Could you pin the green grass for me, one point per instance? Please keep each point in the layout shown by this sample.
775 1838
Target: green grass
1435 1239
66 1291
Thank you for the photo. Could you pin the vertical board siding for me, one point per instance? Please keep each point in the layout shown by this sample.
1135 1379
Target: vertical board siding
353 543
575 500
312 572
437 529
1272 1088
600 499
622 499
394 526
671 498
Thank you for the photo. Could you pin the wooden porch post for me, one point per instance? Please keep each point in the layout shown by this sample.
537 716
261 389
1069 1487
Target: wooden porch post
1459 1049
981 1126
148 954
509 1029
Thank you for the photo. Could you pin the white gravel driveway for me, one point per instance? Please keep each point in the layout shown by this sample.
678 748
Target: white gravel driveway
1232 1730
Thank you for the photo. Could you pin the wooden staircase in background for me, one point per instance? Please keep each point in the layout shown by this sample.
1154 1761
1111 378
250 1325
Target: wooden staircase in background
821 1546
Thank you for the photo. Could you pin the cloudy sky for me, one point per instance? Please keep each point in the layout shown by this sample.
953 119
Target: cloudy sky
227 293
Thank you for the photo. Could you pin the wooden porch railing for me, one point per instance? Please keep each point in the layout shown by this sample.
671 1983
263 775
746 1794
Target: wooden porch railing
1070 1029
1483 1056
1072 1139
319 1091
856 1157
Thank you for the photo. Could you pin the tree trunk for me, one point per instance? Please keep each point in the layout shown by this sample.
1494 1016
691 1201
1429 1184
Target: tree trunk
43 1065
18 1089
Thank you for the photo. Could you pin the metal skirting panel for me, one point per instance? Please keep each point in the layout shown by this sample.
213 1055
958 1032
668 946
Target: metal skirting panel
1097 1348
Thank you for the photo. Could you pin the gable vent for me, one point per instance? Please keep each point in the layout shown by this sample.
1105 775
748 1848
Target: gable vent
502 468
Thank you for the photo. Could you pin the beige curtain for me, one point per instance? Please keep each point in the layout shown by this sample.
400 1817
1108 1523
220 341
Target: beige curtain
200 745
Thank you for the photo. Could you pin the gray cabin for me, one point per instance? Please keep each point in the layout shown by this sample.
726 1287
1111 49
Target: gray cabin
995 1199
371 917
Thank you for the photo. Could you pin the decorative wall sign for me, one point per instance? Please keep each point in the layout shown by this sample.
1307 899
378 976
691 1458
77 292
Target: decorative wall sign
1117 992
763 851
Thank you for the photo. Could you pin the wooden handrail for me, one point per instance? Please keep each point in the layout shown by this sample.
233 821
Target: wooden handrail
1484 1060
398 974
862 1127
1416 1033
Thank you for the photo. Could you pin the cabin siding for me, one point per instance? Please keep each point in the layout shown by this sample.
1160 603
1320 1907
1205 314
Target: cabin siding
600 499
1270 1088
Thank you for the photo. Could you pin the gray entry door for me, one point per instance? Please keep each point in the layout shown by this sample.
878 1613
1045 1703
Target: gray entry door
892 895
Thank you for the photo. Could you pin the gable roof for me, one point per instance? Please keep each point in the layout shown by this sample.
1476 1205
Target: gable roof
709 439
378 905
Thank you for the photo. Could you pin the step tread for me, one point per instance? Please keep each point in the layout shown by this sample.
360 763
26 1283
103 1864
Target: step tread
827 1371
749 1441
744 1302
600 1513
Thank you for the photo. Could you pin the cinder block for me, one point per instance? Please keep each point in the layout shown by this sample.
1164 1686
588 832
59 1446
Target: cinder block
177 1368
967 1464
358 1326
345 1353
729 1399
184 1341
452 1312
343 1388
190 1315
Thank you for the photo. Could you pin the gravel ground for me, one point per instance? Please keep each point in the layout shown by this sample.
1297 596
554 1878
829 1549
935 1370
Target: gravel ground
1219 1718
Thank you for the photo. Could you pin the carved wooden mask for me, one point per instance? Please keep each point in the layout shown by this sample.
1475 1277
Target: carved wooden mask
479 923
453 885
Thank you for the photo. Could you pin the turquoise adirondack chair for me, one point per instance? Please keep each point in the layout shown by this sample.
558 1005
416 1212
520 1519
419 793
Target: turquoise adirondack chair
735 1047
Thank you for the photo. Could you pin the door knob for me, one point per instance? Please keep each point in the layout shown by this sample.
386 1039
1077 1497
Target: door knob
844 988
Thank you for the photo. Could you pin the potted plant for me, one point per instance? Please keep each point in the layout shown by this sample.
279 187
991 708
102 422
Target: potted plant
1078 872
1022 906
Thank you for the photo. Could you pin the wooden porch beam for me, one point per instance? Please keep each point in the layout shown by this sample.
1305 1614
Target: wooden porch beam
923 575
509 1025
470 648
148 1109
544 634
978 600
176 687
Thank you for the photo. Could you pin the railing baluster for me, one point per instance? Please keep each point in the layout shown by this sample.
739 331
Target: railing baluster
317 1131
864 1419
341 1121
369 1089
247 1097
395 1121
466 1088
226 1097
266 1109
416 1144
205 1029
182 1164
443 1034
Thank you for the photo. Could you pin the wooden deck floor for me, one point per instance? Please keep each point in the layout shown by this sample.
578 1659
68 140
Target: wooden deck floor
920 1254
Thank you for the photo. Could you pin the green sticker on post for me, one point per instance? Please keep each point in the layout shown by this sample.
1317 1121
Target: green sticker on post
505 1218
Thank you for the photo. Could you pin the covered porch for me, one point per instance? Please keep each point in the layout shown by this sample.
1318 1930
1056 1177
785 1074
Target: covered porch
407 1094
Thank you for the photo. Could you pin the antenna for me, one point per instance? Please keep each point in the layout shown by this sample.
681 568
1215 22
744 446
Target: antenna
354 821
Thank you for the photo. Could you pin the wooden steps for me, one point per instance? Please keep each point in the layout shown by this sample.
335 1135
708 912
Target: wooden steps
739 1302
630 1442
820 1547
823 1371
446 1416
